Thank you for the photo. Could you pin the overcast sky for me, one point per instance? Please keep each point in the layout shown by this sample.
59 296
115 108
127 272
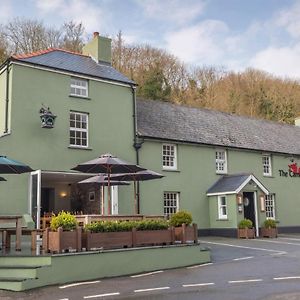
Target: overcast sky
236 34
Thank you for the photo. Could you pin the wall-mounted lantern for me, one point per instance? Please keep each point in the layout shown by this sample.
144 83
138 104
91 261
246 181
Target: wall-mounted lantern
47 118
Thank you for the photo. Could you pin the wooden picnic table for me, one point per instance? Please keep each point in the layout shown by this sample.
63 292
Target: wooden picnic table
17 221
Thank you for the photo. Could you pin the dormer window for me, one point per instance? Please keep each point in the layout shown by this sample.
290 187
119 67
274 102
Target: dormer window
79 87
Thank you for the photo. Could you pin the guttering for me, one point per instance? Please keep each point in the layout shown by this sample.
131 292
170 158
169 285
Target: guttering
184 142
6 98
71 73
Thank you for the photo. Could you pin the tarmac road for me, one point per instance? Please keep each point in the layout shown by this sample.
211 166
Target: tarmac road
266 269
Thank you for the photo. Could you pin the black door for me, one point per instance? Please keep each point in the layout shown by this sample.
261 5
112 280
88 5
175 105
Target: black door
249 209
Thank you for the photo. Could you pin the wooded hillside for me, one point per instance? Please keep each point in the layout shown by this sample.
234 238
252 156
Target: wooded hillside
162 76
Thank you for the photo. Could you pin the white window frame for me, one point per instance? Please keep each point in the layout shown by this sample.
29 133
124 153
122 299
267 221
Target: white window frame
79 129
221 163
79 87
171 207
221 214
270 206
267 164
172 159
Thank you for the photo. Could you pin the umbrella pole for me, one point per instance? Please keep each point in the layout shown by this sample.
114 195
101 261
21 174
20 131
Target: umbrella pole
135 202
102 200
109 195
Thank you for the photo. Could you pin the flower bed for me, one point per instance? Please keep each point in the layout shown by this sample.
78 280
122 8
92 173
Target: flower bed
119 234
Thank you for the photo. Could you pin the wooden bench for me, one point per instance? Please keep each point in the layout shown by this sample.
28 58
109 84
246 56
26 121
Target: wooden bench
8 232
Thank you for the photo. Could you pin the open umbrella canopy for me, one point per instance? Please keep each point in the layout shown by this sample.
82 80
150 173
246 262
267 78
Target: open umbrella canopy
101 180
10 166
2 179
138 176
109 164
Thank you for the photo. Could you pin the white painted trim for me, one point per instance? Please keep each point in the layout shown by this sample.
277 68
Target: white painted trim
251 177
38 196
69 73
221 193
175 157
220 216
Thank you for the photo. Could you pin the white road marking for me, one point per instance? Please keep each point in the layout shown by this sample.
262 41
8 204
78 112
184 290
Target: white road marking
101 295
291 239
279 253
197 266
286 278
245 281
146 274
278 242
152 289
64 299
242 247
243 258
78 284
198 284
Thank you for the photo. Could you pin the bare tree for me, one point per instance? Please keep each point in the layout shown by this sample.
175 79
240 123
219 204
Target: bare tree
72 36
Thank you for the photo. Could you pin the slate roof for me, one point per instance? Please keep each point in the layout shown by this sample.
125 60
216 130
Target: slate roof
72 62
167 121
233 183
228 183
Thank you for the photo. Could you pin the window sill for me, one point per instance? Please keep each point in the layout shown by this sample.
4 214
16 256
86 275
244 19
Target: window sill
270 176
79 97
171 170
223 219
221 173
80 148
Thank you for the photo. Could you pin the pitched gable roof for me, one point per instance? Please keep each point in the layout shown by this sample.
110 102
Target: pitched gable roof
164 120
64 60
233 184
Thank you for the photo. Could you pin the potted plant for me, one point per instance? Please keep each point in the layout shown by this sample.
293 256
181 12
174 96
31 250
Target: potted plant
107 234
63 234
269 229
152 232
245 229
183 231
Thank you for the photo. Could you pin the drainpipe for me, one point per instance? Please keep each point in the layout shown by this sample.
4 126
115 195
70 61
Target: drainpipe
6 98
136 143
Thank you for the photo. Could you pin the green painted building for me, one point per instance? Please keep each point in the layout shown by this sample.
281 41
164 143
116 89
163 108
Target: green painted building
221 167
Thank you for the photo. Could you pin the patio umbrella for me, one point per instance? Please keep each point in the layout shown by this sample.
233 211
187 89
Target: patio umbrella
102 181
138 176
108 164
2 179
10 166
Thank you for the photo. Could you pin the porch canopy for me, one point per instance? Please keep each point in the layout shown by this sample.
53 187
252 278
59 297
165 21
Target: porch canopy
233 184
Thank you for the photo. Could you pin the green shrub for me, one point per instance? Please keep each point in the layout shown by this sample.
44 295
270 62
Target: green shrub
65 220
246 223
181 217
270 223
114 226
152 225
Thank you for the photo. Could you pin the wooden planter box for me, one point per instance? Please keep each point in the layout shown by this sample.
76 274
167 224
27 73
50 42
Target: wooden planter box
59 241
106 240
269 232
153 237
247 233
186 233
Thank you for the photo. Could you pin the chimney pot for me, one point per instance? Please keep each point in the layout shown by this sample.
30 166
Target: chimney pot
96 33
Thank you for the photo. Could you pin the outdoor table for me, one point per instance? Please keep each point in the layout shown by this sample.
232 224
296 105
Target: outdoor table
16 219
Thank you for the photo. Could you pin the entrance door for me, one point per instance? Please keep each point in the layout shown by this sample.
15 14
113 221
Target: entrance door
35 197
250 207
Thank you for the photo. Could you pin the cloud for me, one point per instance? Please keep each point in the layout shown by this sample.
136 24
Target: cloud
281 61
6 10
289 19
84 11
177 11
200 44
